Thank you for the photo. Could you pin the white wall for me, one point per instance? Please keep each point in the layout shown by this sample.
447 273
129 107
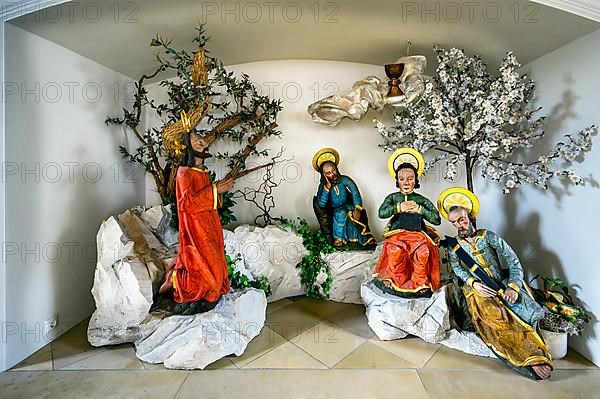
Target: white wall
2 216
299 83
64 175
556 232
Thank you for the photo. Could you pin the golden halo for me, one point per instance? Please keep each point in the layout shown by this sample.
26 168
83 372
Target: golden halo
406 155
325 155
457 196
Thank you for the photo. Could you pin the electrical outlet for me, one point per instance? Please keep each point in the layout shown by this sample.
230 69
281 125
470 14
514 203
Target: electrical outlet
51 323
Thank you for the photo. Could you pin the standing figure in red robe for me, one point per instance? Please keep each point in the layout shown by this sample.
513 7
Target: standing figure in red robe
198 276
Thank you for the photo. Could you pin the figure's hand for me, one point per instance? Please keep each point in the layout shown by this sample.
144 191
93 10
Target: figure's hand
409 207
225 185
327 183
484 289
356 214
510 295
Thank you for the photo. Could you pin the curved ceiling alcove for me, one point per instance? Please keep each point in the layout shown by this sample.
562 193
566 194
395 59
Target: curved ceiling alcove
117 34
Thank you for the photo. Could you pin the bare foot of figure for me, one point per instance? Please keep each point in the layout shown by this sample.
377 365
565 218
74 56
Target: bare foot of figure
168 284
338 243
543 371
387 283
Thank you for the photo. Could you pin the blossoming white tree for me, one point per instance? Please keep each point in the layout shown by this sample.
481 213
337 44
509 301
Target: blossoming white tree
471 117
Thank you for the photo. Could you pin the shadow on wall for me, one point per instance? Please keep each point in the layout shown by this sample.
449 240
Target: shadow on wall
555 125
528 243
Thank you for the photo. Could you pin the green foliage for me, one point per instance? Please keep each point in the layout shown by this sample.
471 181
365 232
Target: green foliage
313 265
239 280
238 113
562 315
225 213
227 202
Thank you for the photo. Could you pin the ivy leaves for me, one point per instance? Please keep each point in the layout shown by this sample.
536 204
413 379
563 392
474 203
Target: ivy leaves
315 273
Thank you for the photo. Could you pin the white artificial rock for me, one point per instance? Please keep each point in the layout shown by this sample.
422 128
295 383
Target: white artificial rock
349 269
153 216
122 288
134 250
392 317
131 265
195 341
269 251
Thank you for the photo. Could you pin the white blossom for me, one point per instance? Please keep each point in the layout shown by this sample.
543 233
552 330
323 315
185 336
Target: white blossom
466 110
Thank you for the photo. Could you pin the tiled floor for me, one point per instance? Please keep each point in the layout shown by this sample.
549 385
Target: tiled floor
308 349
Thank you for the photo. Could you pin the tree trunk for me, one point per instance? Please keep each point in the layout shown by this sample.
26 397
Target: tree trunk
469 172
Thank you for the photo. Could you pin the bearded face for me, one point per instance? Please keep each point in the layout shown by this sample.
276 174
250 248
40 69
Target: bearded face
331 173
199 146
460 219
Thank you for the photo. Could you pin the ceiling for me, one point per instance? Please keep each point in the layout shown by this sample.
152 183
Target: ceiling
117 33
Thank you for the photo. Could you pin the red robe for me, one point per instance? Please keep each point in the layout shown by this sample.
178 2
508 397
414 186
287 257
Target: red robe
200 270
410 262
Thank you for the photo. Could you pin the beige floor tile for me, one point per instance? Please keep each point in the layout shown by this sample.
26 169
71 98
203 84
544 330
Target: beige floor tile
446 358
353 319
280 304
412 349
327 343
286 356
73 346
320 308
371 356
40 360
150 366
300 384
291 321
266 341
295 298
573 361
118 357
131 384
588 382
222 364
502 383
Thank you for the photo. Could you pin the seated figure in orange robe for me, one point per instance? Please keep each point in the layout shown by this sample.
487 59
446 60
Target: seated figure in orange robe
409 265
199 275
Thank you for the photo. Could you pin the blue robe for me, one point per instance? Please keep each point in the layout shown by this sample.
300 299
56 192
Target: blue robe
487 251
343 197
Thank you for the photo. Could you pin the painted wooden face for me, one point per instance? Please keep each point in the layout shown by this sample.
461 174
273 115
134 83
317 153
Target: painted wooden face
406 180
460 219
330 172
198 143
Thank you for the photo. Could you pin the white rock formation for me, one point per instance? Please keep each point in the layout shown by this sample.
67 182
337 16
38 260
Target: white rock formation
133 254
194 342
349 269
122 285
159 220
392 317
269 251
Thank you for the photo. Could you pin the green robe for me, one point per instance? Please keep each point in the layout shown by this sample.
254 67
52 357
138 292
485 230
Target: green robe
391 208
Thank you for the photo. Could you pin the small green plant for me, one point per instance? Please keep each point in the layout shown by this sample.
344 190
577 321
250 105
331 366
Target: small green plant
239 280
562 315
315 273
225 213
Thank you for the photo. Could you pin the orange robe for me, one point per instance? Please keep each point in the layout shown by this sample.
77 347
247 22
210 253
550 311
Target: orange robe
410 262
200 270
